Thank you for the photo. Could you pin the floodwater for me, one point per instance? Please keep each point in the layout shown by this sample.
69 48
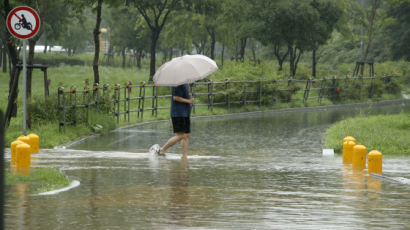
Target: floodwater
251 171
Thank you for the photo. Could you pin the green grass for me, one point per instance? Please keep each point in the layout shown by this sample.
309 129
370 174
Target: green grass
40 179
390 134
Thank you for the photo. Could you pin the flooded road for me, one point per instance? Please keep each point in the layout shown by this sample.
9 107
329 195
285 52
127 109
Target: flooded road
249 171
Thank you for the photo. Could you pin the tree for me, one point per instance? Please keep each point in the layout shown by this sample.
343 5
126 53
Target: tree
268 30
125 35
183 31
14 78
329 14
155 13
77 34
41 9
398 28
237 20
79 6
55 23
210 9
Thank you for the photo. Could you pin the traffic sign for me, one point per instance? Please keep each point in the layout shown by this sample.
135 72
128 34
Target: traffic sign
23 22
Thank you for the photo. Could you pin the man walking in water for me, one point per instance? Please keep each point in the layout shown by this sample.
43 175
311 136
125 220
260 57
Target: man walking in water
180 114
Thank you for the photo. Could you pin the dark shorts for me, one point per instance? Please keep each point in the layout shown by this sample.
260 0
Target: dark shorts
181 124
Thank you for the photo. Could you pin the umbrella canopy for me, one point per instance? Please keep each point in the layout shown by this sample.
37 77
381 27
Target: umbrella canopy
185 69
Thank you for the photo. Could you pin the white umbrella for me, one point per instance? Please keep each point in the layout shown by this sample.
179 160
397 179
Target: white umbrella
185 69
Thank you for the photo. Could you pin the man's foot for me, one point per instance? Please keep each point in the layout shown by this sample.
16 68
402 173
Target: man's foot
156 149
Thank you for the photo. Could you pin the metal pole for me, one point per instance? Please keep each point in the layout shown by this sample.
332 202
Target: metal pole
24 87
1 170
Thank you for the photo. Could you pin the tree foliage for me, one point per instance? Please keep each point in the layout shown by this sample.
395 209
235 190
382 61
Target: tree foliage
398 28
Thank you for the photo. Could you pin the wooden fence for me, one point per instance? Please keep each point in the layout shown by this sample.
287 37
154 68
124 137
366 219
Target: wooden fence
124 100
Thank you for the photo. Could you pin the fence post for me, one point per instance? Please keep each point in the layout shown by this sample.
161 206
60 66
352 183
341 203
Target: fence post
211 96
360 86
61 106
73 91
334 79
106 96
260 93
307 90
244 94
117 96
86 105
228 94
96 86
321 91
129 89
154 97
143 99
371 86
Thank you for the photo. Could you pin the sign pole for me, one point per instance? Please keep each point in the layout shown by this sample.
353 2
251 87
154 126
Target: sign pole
24 87
23 23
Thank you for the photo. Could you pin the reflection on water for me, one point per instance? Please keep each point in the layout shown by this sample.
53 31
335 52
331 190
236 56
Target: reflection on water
259 171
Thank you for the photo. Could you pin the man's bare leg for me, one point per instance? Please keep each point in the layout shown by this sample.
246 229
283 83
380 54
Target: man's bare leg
172 141
184 144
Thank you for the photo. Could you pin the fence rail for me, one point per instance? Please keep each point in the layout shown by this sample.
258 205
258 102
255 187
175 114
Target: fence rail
124 100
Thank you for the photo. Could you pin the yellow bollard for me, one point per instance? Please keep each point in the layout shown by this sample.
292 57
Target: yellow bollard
359 156
25 139
23 155
13 151
349 138
34 142
374 162
348 151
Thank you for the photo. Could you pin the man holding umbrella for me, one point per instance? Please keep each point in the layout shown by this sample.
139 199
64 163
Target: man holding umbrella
178 73
180 115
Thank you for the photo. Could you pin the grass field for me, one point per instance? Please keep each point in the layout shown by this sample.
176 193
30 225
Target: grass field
40 180
390 134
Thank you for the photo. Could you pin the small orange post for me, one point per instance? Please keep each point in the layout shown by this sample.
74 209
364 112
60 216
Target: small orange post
348 151
359 156
13 151
34 142
24 139
349 138
23 159
374 162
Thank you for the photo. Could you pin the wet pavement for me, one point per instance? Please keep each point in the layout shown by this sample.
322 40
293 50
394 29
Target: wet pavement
250 171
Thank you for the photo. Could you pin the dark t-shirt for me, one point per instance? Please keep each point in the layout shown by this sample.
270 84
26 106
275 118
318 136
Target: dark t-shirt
179 109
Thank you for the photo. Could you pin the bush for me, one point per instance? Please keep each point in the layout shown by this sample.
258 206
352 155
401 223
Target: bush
42 110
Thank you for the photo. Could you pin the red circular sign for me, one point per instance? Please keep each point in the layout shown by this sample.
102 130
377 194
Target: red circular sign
23 22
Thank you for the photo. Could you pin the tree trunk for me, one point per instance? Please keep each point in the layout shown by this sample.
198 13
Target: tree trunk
213 42
1 55
294 57
222 55
375 5
253 53
279 57
4 59
45 44
242 49
139 56
171 54
97 42
13 83
123 57
154 39
165 56
314 62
